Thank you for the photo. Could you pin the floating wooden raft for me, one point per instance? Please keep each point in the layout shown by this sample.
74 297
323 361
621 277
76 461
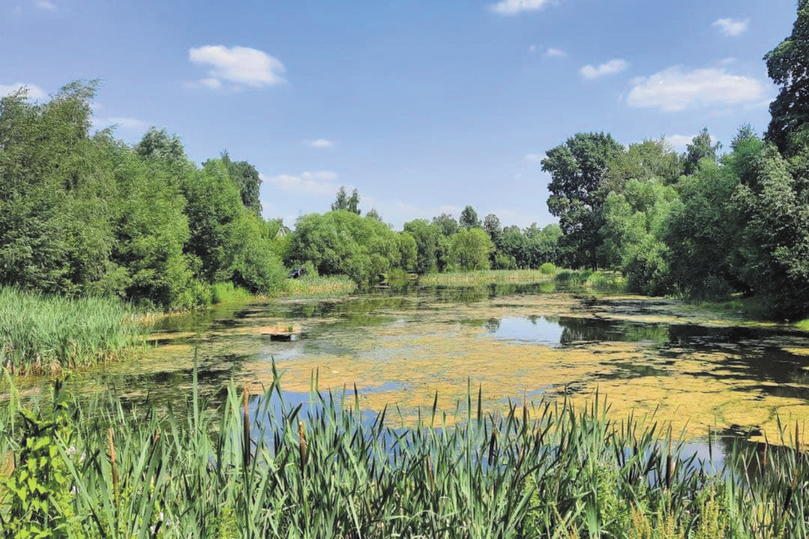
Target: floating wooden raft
283 336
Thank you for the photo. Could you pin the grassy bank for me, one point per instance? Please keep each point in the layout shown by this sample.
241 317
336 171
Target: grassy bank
46 334
265 468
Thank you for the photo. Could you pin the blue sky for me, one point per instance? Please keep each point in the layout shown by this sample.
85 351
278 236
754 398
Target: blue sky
425 106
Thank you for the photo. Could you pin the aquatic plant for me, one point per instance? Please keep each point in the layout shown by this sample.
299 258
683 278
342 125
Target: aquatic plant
45 334
260 466
315 286
228 293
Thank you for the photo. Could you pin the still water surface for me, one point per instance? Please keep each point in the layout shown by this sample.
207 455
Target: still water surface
666 361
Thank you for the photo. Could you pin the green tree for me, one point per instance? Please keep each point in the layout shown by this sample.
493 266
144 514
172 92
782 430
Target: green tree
446 223
427 237
578 170
342 242
700 149
214 203
788 67
248 180
345 202
470 250
469 218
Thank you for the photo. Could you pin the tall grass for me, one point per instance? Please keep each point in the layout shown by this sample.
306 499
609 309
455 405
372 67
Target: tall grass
466 278
262 467
45 334
228 293
314 286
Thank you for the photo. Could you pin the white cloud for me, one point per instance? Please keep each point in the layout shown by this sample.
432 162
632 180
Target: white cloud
47 5
679 142
610 68
676 89
535 157
555 53
34 92
307 183
731 27
321 143
238 65
532 49
513 7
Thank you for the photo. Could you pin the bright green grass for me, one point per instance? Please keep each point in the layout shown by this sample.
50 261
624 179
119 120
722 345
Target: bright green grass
466 278
312 286
328 471
46 334
228 293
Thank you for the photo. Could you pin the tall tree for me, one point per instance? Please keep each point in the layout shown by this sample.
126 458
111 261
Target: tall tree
345 202
578 170
788 67
699 149
469 218
248 180
446 223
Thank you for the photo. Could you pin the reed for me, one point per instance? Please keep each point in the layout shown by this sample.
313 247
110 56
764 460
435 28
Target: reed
327 469
465 278
313 286
47 334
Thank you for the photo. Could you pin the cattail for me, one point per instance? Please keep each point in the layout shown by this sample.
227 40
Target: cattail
492 447
246 448
430 474
302 435
669 465
766 447
114 467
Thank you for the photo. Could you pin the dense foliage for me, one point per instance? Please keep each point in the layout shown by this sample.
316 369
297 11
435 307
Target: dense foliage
86 214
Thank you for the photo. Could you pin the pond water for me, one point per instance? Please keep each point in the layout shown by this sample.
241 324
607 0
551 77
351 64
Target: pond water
664 360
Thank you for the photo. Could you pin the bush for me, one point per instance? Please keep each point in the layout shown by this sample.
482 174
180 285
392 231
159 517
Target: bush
227 293
547 268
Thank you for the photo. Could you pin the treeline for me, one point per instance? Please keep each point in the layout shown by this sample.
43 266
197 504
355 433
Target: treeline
702 225
84 214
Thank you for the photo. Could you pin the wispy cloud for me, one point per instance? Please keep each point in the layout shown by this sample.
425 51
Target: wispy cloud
320 143
307 183
237 65
731 27
609 68
47 5
534 157
555 53
513 7
34 92
676 89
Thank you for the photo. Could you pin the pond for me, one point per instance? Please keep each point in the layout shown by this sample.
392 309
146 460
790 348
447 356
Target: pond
662 359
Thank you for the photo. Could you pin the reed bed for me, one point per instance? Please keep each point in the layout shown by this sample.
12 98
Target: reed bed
46 334
477 278
261 467
313 286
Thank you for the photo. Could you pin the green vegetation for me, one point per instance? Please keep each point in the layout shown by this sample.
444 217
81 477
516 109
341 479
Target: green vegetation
703 225
485 277
314 286
46 334
88 215
227 293
274 469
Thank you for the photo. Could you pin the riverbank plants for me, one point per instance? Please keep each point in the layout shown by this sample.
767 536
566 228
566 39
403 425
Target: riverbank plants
47 334
262 466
